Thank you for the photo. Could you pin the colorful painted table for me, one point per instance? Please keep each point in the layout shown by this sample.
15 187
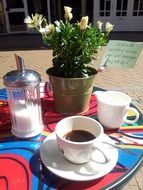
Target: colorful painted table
20 164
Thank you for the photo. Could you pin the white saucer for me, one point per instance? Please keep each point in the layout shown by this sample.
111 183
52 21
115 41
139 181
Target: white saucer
54 160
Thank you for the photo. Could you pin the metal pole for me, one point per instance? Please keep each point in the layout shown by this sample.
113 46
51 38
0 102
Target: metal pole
83 7
49 11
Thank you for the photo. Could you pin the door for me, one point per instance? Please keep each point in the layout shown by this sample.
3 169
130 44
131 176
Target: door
125 15
15 12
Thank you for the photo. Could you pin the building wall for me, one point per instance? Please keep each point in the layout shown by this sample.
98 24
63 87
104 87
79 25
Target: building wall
13 12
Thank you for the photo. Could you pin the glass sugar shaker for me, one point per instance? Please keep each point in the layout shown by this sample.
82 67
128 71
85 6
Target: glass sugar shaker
24 100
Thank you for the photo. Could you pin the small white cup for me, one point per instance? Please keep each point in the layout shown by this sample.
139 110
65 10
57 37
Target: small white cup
78 152
112 108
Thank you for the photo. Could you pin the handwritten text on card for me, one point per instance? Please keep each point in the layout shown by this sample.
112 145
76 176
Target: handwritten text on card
122 54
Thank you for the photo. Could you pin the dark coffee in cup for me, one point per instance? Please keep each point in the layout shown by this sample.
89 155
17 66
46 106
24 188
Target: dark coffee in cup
79 136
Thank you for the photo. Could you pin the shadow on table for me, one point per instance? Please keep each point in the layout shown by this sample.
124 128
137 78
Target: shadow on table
45 177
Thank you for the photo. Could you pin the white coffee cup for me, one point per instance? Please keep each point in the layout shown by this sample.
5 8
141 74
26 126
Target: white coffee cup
112 108
78 152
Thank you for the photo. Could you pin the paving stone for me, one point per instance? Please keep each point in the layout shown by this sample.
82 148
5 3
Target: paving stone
139 179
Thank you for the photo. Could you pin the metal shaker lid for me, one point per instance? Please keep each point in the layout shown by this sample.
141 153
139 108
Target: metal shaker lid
21 77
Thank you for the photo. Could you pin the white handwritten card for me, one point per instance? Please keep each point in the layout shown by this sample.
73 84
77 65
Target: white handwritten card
121 54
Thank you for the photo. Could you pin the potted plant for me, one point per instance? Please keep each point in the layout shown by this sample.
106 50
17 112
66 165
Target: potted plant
74 46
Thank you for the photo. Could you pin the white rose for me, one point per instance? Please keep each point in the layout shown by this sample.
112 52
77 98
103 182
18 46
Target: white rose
48 29
109 27
83 23
34 21
68 14
67 9
51 28
57 23
99 24
37 19
29 22
42 30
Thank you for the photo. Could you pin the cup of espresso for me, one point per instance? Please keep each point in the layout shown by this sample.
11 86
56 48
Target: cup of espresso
76 136
112 108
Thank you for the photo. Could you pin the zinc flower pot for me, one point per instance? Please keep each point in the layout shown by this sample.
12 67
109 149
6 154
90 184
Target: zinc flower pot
71 95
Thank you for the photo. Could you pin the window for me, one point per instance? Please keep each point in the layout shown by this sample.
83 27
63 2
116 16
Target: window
105 7
138 8
121 8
